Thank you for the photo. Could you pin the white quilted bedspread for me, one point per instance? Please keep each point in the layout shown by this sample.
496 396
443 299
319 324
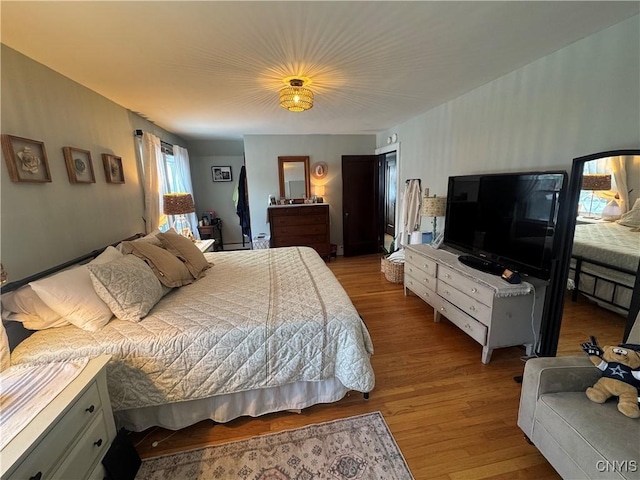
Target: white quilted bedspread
258 319
608 242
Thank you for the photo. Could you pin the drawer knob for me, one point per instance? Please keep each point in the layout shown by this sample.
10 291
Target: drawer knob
98 443
446 275
37 476
90 409
474 290
472 308
442 309
446 292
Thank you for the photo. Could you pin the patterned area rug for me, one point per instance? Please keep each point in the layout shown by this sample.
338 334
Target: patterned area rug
359 447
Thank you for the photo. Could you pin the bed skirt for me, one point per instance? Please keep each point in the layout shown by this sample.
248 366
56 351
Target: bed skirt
223 408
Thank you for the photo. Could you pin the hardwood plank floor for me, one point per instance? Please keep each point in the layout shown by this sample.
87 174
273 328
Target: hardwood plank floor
452 416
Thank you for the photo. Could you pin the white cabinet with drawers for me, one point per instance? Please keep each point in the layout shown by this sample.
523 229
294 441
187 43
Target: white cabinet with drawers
490 310
70 436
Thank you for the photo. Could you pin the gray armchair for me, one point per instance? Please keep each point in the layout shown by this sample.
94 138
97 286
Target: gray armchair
580 439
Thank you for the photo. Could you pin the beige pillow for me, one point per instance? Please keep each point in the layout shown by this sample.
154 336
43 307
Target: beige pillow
167 267
632 217
185 250
5 354
25 306
128 286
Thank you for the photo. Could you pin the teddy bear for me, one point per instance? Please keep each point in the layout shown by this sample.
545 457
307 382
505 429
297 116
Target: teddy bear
620 368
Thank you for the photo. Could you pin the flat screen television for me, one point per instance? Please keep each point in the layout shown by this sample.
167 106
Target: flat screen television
505 220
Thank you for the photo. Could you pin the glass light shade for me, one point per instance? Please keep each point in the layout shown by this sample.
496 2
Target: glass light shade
319 190
296 98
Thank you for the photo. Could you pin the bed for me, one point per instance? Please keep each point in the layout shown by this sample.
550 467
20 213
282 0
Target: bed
261 331
604 262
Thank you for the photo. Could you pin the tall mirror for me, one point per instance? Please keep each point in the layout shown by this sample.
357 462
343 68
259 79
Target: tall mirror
600 259
294 177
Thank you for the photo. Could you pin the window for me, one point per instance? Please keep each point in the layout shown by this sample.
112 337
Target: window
592 203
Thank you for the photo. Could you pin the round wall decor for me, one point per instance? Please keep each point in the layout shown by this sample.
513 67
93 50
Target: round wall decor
319 170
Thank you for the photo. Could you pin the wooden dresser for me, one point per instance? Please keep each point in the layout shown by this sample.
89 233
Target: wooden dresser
301 225
487 308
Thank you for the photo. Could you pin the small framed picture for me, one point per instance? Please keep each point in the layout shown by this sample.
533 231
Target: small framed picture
79 165
221 174
113 168
26 159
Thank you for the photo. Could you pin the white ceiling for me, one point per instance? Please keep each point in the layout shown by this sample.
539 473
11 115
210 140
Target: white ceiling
212 70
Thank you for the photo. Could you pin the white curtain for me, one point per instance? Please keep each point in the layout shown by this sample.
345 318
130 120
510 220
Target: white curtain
182 178
154 184
411 202
618 167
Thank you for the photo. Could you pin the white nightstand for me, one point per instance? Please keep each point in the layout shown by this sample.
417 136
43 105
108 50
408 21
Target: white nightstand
69 437
205 245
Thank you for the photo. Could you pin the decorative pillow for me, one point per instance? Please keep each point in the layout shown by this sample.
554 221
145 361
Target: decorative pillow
71 295
5 354
151 238
632 217
128 286
25 306
185 250
167 267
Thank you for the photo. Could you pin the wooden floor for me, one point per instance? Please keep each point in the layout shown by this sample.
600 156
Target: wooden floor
452 416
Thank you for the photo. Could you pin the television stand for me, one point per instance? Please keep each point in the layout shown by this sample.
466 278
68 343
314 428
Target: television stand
481 264
493 312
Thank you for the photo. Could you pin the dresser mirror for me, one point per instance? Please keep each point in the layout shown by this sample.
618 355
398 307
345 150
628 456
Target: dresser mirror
294 177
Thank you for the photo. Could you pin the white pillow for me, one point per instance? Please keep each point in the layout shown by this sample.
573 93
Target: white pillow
25 306
70 294
128 286
632 217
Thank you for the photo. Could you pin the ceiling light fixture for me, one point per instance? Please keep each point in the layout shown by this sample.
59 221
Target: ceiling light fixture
295 97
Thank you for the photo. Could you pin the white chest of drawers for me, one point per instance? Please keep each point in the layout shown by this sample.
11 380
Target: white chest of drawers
70 436
488 309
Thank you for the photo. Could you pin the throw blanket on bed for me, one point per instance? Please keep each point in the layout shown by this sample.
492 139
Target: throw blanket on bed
257 319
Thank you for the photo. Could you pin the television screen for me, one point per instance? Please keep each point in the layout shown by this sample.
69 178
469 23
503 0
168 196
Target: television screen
509 219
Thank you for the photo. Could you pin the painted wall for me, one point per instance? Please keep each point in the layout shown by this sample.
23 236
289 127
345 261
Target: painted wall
582 99
262 152
217 196
42 225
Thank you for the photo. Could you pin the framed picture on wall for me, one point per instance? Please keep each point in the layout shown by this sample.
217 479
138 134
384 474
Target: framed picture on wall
113 168
26 159
79 165
221 174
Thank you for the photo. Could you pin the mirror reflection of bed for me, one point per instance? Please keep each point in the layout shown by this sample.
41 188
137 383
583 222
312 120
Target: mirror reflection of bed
606 244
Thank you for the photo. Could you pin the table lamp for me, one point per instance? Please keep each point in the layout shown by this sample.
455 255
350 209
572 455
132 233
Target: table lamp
434 207
595 182
179 204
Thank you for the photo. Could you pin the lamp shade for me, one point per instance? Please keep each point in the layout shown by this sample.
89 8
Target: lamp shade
296 97
319 189
596 181
178 203
434 206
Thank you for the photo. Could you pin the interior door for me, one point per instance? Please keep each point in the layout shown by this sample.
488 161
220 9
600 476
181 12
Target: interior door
390 193
361 204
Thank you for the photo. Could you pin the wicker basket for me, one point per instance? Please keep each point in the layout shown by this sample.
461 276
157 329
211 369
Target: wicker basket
393 271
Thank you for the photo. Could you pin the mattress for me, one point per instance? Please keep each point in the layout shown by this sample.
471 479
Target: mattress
258 319
608 242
